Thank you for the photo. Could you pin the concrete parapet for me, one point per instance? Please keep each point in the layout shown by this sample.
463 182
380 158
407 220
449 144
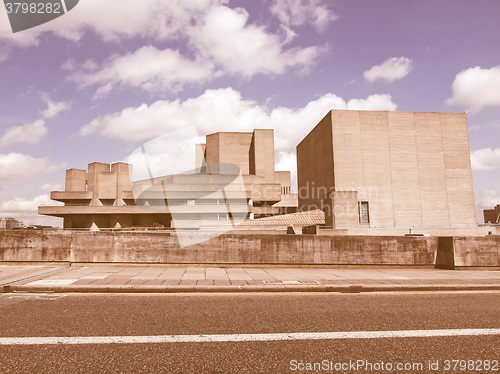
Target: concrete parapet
432 231
460 252
307 249
163 247
26 246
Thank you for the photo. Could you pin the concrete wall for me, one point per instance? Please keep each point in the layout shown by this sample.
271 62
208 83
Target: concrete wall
244 248
229 147
263 154
431 231
315 169
369 172
76 180
20 245
345 208
431 166
163 247
456 252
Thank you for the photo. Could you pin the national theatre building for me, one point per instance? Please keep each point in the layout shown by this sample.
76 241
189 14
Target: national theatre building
388 170
234 180
356 169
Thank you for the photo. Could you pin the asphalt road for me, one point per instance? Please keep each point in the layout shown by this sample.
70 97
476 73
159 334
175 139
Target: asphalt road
208 314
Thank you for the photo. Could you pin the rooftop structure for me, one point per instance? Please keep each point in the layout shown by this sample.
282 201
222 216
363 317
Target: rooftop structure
388 169
492 215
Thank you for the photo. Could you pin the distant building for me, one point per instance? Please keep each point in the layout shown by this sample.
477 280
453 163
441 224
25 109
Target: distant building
40 227
10 223
234 180
492 215
388 169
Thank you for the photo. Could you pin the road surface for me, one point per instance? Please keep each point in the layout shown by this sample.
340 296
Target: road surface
250 333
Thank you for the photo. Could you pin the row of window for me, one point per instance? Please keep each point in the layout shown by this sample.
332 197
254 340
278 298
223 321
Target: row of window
285 190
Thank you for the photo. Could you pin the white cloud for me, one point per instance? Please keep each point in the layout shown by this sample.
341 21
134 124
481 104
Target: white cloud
53 107
4 55
21 204
147 67
485 159
48 187
238 48
220 41
474 128
476 88
225 110
372 102
113 19
495 124
21 166
390 70
301 12
26 210
149 159
30 133
488 199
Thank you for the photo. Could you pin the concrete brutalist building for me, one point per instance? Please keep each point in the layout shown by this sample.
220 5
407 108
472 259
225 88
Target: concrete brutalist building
10 223
388 170
234 180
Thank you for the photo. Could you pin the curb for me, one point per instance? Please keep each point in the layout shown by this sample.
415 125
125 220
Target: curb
245 288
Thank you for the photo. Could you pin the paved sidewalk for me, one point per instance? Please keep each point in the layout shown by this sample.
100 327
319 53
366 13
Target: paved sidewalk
14 273
77 278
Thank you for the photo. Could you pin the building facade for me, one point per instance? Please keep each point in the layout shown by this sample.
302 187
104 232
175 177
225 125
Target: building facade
10 224
388 170
234 180
492 215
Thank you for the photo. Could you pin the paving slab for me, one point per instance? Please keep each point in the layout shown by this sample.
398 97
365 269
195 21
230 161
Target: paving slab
123 278
15 273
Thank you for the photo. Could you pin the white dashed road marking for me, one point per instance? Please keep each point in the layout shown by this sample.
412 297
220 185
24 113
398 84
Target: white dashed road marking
246 337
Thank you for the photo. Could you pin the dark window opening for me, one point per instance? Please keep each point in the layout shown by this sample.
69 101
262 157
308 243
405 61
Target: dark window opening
364 212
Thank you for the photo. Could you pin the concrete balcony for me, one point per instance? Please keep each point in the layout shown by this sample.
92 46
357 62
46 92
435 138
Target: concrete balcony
64 196
61 211
193 195
207 209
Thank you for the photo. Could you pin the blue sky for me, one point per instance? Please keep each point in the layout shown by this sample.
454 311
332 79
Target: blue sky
95 84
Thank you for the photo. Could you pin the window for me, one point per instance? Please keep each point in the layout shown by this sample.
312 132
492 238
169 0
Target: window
364 213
